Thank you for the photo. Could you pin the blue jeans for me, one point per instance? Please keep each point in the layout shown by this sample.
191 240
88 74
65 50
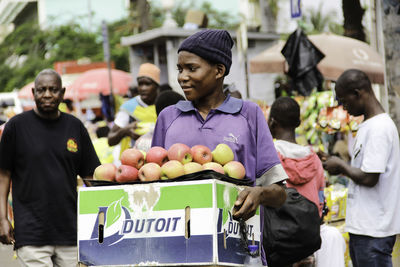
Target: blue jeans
366 251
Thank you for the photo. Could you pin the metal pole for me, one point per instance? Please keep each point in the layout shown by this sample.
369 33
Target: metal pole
246 72
107 58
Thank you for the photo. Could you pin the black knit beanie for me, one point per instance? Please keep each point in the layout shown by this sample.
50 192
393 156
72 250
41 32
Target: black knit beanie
212 45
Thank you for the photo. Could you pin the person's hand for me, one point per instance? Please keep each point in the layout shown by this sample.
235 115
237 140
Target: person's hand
322 156
247 203
333 165
6 232
131 127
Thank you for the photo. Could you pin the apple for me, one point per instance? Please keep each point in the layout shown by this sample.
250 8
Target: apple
106 171
180 152
132 157
150 172
235 169
201 154
172 169
192 167
157 155
222 154
126 173
214 166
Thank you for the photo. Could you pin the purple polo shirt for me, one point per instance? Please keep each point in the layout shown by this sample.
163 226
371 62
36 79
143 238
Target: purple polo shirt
239 124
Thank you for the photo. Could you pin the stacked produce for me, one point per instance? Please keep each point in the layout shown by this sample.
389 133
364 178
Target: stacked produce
320 113
180 159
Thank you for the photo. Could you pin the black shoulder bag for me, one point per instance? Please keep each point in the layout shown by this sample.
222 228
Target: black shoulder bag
291 232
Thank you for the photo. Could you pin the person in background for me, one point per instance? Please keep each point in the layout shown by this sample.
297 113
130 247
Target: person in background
164 99
165 87
70 105
100 143
133 91
373 202
209 118
42 151
140 109
333 245
301 163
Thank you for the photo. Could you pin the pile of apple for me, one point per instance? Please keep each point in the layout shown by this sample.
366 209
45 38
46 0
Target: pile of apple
159 163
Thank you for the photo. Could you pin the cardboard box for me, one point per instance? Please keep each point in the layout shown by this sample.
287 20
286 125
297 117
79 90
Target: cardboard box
161 224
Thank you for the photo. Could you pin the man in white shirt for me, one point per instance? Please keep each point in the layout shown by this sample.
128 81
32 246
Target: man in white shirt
373 217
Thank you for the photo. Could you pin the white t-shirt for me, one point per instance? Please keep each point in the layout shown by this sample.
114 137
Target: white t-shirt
333 247
375 211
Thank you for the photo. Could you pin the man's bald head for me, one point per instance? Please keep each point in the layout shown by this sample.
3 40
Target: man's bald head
49 72
353 79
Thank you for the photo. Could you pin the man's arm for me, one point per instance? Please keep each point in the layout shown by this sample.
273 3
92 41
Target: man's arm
6 231
250 198
117 133
334 165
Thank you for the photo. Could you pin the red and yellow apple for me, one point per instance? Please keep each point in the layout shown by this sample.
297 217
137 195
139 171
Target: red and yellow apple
132 157
150 172
106 171
180 152
126 173
201 154
214 166
172 169
157 155
222 154
192 167
235 169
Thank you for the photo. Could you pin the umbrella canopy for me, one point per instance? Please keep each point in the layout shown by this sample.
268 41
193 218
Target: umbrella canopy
96 81
67 79
341 53
26 91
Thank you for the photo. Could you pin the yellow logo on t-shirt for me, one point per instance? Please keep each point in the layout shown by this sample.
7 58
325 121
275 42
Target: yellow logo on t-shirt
72 146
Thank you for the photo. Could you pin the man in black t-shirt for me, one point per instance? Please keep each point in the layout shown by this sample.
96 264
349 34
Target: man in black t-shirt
42 151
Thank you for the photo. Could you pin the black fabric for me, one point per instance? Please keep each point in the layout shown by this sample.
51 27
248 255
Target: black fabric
292 232
107 106
44 157
302 57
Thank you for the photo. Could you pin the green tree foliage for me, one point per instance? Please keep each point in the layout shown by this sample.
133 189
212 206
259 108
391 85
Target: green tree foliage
314 21
119 53
274 7
28 49
216 19
69 42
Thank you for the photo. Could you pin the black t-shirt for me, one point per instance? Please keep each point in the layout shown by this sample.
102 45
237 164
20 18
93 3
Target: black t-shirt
45 157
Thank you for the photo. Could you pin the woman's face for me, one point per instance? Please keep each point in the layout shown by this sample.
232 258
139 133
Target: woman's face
197 77
147 90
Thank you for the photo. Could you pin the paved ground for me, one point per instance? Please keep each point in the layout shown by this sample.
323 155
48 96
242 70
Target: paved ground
7 257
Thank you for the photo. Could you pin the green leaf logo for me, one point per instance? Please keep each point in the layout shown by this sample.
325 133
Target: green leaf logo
113 212
230 195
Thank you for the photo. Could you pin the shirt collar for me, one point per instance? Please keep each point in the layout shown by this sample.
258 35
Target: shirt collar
140 101
230 105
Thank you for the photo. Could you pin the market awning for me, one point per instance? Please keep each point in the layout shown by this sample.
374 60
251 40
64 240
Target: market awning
341 53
